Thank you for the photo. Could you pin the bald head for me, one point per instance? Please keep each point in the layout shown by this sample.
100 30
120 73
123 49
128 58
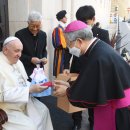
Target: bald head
12 49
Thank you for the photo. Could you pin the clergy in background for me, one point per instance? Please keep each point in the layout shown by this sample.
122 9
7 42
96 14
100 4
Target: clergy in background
59 43
24 112
34 42
103 82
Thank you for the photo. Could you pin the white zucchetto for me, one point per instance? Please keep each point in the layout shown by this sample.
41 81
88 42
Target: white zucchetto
9 39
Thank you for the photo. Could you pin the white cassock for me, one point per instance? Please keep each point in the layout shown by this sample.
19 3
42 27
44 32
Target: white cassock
24 112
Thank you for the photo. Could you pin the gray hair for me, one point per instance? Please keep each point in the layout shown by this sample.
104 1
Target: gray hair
85 34
34 16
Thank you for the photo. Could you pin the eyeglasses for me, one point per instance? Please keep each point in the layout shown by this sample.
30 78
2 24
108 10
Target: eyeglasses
71 43
35 25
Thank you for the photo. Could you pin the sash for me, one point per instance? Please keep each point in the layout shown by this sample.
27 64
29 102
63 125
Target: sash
104 116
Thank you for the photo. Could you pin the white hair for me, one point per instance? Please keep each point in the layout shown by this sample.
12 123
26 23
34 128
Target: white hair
9 39
34 16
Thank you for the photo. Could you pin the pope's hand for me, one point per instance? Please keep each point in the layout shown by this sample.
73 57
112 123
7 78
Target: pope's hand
36 88
60 87
66 71
44 60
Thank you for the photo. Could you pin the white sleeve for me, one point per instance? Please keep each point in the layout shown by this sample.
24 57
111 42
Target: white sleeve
19 94
10 94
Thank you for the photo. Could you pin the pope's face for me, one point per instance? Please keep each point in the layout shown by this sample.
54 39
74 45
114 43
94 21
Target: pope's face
13 51
34 27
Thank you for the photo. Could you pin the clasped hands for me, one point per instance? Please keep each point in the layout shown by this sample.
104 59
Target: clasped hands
36 60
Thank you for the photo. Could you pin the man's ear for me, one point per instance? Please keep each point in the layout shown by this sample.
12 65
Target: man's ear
80 41
4 49
94 18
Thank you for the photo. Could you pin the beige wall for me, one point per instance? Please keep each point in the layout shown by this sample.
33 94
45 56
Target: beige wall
19 10
122 7
102 9
123 12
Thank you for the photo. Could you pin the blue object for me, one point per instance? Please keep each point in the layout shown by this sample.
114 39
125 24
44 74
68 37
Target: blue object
46 92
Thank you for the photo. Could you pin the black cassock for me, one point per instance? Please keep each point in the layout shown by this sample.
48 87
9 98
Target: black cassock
33 46
103 77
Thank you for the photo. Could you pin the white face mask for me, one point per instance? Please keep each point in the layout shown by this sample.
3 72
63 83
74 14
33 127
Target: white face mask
75 51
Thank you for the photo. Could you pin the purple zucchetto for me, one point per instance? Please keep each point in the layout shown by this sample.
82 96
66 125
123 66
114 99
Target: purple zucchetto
75 26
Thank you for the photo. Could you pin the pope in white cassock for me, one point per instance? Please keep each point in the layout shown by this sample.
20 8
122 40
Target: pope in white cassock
24 112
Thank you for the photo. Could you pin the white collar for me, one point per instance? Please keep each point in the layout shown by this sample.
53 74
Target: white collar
90 44
62 24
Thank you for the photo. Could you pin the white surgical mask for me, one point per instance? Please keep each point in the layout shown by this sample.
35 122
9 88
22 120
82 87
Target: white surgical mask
75 51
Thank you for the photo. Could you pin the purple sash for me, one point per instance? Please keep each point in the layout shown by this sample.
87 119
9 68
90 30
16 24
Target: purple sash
104 116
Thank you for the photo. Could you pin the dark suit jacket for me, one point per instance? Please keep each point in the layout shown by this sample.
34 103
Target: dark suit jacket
33 46
101 34
75 66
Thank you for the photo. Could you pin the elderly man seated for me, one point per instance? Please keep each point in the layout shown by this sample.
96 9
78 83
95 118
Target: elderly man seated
24 112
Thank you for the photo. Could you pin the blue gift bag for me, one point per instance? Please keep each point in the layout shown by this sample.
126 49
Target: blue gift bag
38 77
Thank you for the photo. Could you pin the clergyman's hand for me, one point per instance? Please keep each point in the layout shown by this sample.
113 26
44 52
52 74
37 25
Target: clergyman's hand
3 118
60 88
66 71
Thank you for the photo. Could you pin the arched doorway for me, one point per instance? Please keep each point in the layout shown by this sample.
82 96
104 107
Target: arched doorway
4 24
